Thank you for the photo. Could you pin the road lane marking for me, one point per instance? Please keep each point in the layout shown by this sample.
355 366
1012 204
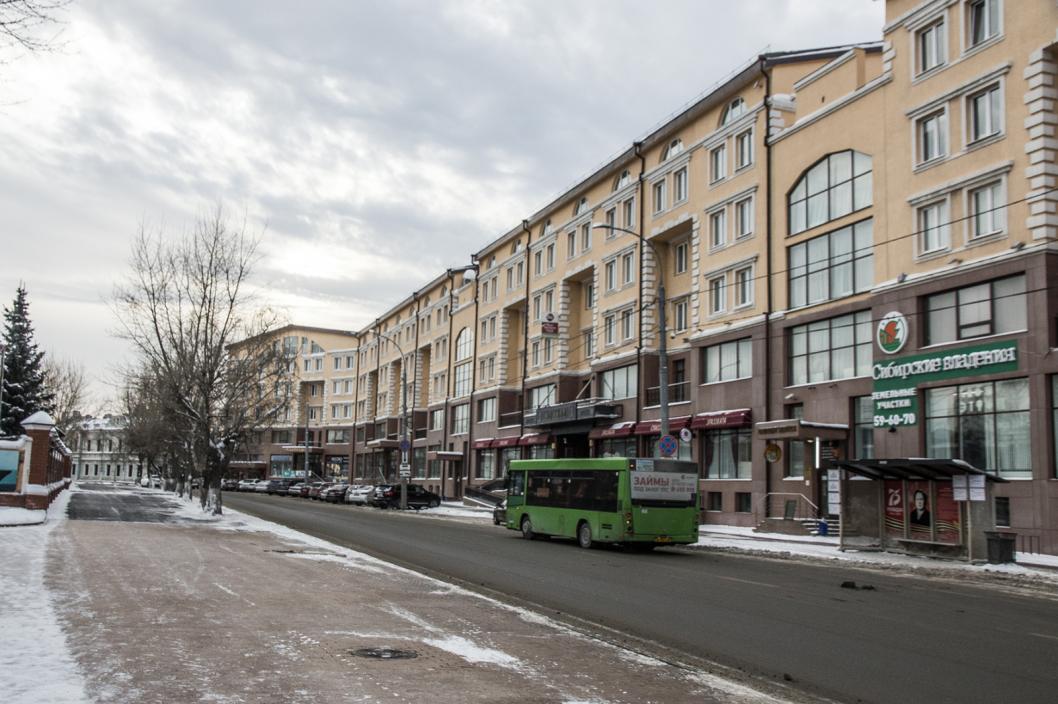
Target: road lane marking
1044 635
748 581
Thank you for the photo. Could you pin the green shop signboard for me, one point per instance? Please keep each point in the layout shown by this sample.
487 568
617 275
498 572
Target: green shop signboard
896 380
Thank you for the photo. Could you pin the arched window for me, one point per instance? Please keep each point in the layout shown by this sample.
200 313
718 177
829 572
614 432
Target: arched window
464 344
674 148
836 185
623 180
581 206
734 110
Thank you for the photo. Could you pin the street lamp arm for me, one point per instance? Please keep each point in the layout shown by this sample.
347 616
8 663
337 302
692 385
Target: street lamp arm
615 228
404 420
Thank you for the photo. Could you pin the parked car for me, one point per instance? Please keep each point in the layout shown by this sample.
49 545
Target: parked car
229 484
388 496
306 487
279 486
359 494
317 488
335 493
499 513
292 489
261 487
246 484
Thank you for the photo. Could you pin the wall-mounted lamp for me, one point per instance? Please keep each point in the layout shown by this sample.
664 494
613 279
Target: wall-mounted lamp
791 397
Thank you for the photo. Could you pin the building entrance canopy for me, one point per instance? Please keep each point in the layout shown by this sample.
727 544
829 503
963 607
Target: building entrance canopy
795 429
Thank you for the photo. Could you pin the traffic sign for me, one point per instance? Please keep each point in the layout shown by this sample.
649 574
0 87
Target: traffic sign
668 446
685 434
404 445
405 471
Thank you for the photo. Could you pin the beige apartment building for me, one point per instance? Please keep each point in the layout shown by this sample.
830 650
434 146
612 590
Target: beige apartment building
856 240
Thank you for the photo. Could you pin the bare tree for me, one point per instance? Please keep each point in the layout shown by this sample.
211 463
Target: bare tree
183 308
68 383
21 22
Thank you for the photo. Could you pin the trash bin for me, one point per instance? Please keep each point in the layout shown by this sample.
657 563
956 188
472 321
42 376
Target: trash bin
823 528
1000 546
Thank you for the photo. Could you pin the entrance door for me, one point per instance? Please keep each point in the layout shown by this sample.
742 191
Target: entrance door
573 446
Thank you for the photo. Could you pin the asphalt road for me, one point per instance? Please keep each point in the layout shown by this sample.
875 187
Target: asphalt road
910 639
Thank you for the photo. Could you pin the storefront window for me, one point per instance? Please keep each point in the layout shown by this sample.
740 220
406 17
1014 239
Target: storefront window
433 467
985 424
617 447
506 455
795 449
863 421
486 468
419 462
281 466
727 453
337 467
541 452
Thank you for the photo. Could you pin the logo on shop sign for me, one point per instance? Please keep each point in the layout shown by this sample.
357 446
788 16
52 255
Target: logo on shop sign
892 332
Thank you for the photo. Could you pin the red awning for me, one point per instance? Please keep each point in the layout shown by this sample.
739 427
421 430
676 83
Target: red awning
653 427
482 443
617 430
506 442
535 439
723 419
445 456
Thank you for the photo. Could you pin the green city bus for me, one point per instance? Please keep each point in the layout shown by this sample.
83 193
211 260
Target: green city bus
636 502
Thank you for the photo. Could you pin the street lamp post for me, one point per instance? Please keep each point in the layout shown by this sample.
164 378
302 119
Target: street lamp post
663 353
405 443
3 350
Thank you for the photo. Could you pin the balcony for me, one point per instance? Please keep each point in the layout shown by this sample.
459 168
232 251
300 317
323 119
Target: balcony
509 419
678 393
582 411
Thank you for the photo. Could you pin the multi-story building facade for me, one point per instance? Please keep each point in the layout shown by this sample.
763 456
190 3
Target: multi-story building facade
99 451
814 206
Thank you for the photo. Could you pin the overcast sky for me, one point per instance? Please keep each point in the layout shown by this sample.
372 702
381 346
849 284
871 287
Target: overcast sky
372 144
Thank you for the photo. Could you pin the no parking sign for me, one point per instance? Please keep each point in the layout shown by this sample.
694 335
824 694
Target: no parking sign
668 446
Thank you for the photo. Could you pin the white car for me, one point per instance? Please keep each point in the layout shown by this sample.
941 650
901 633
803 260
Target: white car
261 487
247 484
359 494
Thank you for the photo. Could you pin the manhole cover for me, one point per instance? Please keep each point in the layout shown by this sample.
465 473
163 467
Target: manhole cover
384 653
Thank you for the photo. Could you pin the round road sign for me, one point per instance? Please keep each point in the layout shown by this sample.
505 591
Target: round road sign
668 445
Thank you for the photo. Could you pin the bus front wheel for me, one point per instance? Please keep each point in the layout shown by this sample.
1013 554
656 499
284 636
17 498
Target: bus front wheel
527 528
584 535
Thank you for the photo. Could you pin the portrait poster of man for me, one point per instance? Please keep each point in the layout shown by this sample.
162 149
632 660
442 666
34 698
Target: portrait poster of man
919 509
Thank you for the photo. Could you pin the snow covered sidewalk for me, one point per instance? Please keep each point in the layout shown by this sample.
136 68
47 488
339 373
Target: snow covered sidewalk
238 609
36 666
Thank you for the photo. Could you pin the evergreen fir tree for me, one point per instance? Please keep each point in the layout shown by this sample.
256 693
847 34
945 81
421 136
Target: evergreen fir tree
25 389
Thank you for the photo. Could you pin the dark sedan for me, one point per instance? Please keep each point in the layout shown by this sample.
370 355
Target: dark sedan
388 496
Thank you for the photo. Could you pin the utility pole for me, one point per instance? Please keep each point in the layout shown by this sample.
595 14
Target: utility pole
405 442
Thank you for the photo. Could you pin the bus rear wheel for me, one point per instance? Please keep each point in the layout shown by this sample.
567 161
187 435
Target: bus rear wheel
527 528
584 538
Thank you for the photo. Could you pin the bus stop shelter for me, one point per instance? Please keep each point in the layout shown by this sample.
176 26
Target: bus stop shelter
930 507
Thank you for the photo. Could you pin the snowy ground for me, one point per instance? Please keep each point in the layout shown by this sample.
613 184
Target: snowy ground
17 516
35 663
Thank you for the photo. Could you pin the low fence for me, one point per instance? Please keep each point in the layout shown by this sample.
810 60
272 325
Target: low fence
34 467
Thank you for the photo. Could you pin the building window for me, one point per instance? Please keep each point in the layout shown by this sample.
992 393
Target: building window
437 419
550 251
629 209
837 185
718 163
585 237
863 427
460 418
548 346
991 308
984 111
679 185
718 228
933 136
588 344
744 149
743 286
987 216
728 361
727 454
659 196
744 218
571 244
611 275
1002 511
680 258
833 265
628 324
611 221
486 468
462 377
714 501
717 294
609 324
933 227
836 348
628 270
464 344
487 410
795 449
536 353
619 383
982 20
931 46
743 502
589 295
985 424
541 396
674 148
734 110
679 310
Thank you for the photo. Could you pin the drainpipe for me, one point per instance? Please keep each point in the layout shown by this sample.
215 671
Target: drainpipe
448 382
767 266
415 377
641 378
374 401
356 403
525 326
473 375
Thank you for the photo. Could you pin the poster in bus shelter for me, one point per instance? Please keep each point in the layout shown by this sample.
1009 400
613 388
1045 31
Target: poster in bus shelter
894 508
946 515
919 511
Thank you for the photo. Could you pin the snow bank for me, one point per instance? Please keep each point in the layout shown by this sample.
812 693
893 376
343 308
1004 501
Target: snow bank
17 516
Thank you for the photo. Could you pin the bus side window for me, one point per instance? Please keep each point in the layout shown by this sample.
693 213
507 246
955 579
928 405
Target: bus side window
606 491
516 484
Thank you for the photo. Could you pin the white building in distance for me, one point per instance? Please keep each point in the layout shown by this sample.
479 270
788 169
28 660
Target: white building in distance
100 450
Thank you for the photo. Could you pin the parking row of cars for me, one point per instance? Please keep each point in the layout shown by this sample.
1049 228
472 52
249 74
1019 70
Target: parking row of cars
380 496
